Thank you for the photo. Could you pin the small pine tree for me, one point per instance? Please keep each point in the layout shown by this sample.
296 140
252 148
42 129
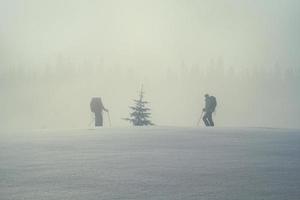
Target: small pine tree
140 113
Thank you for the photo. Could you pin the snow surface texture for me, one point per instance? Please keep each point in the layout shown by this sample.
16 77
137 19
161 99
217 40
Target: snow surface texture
151 163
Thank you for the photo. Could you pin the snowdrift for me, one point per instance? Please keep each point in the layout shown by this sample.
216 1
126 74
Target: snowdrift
151 163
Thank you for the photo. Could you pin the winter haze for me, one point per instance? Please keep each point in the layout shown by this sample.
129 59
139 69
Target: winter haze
57 54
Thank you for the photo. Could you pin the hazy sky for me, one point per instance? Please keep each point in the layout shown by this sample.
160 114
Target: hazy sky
156 39
159 32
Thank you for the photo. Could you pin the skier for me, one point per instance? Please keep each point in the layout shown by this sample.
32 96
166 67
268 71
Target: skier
210 106
97 107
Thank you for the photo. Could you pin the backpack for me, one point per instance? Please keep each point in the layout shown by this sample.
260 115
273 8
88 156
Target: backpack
95 104
213 103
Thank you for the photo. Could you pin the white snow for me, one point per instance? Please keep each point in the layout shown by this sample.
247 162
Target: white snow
151 163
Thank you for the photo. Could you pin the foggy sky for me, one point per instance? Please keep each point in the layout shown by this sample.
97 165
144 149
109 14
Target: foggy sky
148 37
162 32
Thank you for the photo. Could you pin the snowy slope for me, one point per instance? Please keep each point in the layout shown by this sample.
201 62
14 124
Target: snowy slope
151 163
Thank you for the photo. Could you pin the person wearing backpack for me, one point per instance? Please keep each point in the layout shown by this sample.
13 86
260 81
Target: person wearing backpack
210 106
97 107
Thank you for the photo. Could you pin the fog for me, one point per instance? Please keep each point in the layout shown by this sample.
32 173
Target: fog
55 55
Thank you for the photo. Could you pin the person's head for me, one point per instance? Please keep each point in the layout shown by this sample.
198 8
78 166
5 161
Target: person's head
206 96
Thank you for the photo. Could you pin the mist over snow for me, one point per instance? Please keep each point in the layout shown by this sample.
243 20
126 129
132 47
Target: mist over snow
56 55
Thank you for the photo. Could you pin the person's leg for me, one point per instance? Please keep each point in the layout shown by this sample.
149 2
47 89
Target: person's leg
101 120
205 119
209 117
98 119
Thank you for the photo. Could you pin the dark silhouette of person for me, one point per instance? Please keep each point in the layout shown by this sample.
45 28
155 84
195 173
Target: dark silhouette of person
98 108
210 105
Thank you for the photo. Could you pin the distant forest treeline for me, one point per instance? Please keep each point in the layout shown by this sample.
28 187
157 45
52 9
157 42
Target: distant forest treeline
262 96
215 69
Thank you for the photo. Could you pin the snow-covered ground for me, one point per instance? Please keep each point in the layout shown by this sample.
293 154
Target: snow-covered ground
151 163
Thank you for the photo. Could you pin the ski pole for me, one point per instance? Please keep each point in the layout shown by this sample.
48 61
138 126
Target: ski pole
109 119
200 118
92 119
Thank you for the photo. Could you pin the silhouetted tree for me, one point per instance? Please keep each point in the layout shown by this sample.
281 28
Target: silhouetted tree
140 113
